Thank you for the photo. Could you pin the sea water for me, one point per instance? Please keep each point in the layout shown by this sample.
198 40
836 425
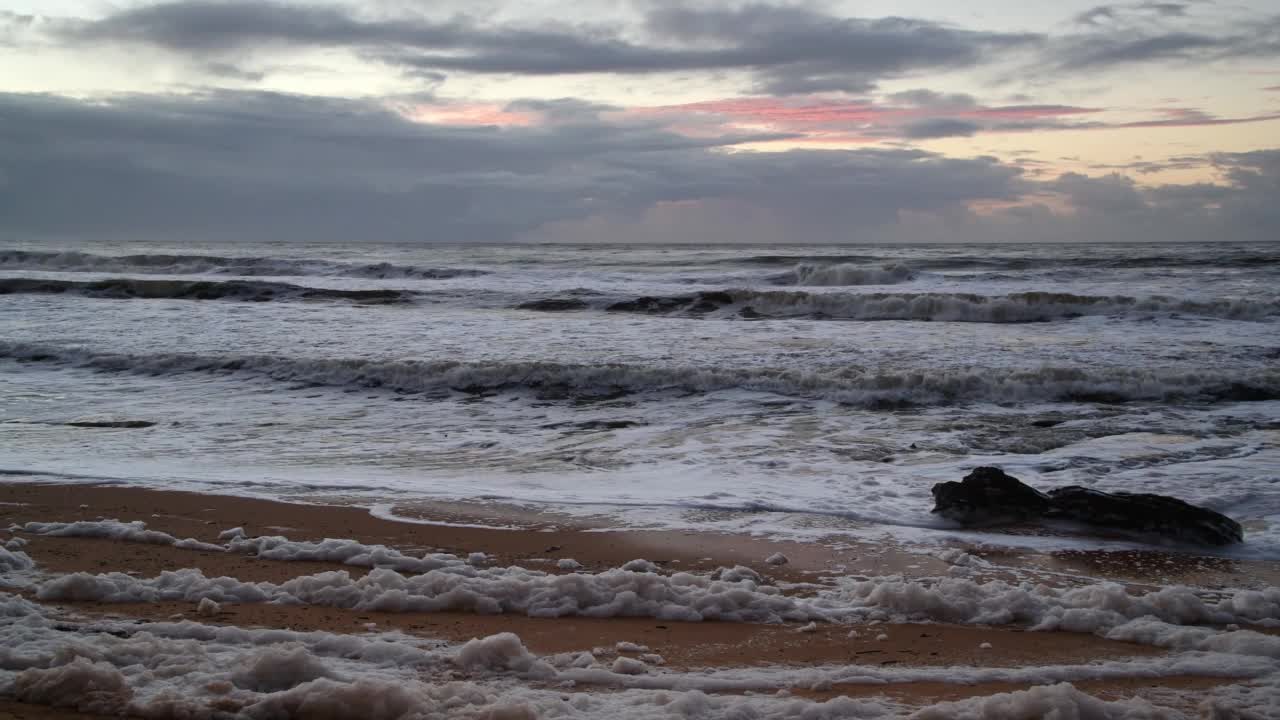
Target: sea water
780 390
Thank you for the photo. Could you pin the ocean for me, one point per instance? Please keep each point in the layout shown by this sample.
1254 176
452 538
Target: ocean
787 391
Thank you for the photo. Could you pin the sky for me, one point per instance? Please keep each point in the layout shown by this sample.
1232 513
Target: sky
640 121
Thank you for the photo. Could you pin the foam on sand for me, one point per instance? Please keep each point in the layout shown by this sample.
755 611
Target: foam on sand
189 670
639 588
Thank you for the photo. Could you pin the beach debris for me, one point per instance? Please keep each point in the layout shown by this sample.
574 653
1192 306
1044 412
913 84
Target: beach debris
629 666
989 496
737 573
568 564
811 627
777 559
208 608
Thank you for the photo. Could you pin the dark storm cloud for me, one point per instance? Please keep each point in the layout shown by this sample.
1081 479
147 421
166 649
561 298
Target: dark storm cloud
261 165
217 26
788 49
265 165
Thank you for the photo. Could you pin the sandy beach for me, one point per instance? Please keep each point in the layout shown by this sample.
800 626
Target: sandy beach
536 543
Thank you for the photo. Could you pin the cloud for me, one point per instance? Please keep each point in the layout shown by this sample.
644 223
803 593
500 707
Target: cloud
1120 35
940 127
785 49
249 165
920 114
922 97
244 164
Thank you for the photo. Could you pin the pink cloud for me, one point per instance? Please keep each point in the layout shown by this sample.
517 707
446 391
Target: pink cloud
842 122
469 114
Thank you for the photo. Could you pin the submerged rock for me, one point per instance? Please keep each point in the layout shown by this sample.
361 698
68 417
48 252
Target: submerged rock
1141 512
989 496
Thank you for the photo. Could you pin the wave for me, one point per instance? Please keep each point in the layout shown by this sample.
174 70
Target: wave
942 307
847 274
852 386
163 264
244 290
1258 259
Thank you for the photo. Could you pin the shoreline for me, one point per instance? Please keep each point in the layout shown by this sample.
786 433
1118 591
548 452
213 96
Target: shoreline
685 646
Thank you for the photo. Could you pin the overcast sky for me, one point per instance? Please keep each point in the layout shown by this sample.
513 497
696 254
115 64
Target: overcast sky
640 121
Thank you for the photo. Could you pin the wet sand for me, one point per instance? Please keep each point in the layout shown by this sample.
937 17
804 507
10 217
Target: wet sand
536 542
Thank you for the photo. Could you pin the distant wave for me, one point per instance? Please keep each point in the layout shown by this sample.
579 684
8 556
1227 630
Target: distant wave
996 261
818 274
853 386
943 307
160 264
243 290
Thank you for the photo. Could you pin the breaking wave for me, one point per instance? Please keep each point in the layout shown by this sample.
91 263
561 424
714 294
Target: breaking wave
1252 259
943 307
853 385
244 290
162 264
848 274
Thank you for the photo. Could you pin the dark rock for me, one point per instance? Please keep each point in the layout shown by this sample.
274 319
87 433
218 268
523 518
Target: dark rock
987 496
553 305
749 313
1145 513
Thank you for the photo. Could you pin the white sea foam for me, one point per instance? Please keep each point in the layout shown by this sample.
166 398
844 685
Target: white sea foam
966 307
135 531
1101 609
850 274
14 560
190 670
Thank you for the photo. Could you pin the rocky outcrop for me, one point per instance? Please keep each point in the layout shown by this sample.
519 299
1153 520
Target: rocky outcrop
988 496
1139 512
